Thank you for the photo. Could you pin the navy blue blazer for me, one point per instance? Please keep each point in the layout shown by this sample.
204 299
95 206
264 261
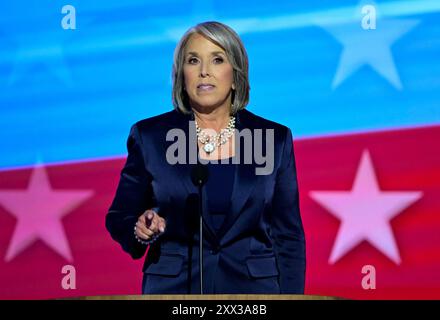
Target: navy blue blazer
259 249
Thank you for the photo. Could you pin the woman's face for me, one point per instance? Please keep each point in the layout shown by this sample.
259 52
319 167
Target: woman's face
208 74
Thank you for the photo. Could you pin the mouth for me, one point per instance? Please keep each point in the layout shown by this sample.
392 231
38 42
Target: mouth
205 86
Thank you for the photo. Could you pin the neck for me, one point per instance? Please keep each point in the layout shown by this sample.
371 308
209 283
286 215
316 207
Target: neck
215 119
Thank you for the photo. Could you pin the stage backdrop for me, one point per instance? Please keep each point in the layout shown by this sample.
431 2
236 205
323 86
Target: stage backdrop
358 83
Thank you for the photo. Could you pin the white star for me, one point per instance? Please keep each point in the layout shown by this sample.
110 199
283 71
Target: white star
39 210
370 47
365 212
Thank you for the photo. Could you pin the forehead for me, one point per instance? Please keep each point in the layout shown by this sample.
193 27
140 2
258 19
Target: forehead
199 44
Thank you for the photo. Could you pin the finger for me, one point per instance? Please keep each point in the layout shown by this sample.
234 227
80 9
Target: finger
162 225
142 220
146 235
154 225
149 215
158 222
143 231
142 226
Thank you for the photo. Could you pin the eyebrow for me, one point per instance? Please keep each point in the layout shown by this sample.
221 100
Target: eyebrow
212 53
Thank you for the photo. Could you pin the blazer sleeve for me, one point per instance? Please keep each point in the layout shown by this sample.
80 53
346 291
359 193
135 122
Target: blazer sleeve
287 228
133 196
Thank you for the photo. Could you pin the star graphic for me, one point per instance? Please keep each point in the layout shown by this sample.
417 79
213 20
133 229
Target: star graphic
370 47
365 212
39 210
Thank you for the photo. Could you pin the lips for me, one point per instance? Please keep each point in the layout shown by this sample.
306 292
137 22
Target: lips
205 86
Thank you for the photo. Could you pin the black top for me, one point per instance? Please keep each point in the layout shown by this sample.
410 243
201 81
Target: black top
219 190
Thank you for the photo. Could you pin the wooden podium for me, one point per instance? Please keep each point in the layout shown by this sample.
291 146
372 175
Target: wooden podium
210 297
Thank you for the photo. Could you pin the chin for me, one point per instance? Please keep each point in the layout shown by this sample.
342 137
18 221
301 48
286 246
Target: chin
208 104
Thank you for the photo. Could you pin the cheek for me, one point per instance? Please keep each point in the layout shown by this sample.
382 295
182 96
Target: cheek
188 76
227 76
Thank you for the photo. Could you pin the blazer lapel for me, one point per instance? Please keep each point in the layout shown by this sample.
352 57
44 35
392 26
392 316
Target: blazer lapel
183 171
244 181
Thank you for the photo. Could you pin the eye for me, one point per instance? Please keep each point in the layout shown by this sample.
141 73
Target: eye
192 60
218 60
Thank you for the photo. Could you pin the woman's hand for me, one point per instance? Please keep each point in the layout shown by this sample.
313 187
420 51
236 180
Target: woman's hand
149 224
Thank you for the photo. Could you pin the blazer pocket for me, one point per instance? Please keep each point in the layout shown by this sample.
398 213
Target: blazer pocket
168 265
260 267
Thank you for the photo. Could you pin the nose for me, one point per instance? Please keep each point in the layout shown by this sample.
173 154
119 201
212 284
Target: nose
204 72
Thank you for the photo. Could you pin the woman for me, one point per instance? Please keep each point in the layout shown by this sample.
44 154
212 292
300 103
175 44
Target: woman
253 239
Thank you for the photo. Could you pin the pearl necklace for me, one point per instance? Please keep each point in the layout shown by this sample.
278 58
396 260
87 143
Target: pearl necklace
211 142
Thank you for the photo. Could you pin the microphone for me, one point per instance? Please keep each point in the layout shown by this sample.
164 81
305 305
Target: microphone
199 176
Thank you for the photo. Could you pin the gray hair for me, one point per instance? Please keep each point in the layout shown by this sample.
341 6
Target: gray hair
228 40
